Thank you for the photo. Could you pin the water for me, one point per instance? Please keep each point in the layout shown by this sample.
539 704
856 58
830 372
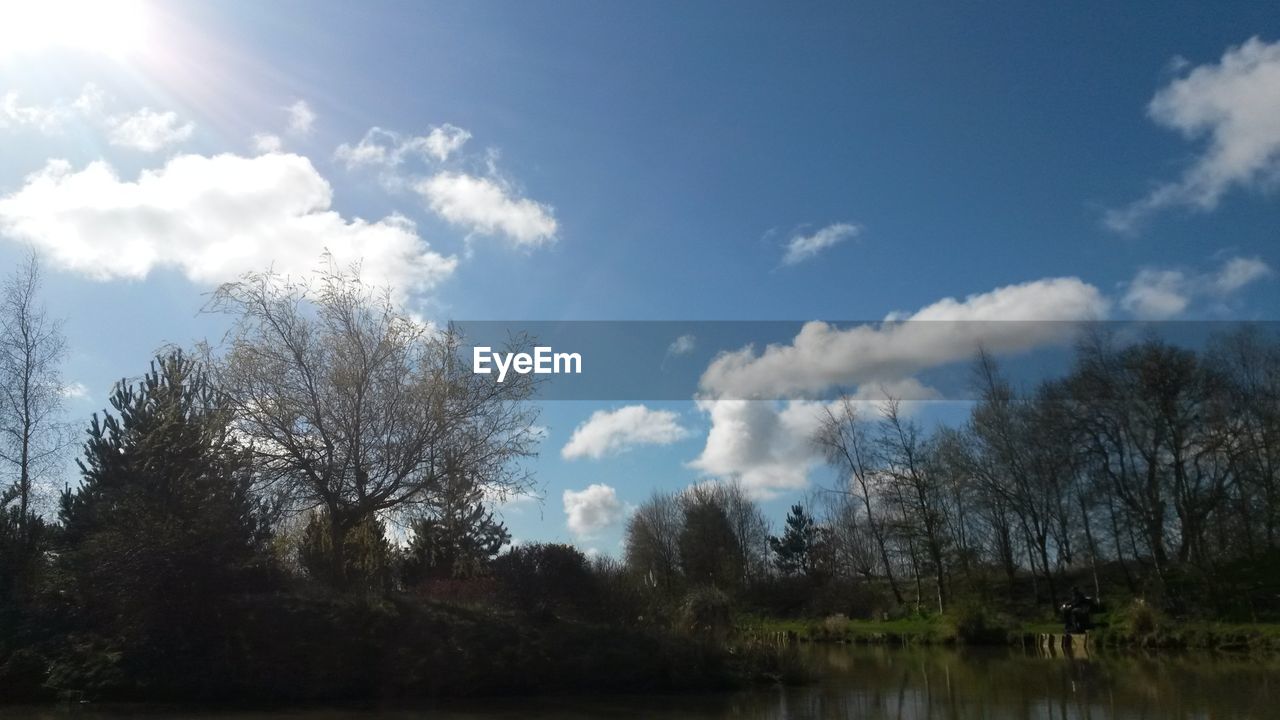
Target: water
904 684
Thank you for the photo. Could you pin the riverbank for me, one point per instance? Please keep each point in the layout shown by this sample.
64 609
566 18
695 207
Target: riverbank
1110 631
281 648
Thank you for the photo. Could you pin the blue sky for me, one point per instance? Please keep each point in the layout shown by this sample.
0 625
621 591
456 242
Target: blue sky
645 161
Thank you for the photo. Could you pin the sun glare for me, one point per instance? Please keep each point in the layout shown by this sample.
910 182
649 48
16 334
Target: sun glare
110 27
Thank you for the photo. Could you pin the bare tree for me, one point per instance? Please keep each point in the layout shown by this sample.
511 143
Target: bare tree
915 486
842 437
32 348
353 406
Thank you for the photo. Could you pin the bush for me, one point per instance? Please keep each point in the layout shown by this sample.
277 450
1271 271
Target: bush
973 624
1141 619
545 578
706 613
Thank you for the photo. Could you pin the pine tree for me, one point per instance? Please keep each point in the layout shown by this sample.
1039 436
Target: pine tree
164 524
792 551
457 536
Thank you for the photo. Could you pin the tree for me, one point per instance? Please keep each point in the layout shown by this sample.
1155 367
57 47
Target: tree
842 438
355 407
366 553
31 351
652 540
914 486
163 525
709 550
456 536
793 549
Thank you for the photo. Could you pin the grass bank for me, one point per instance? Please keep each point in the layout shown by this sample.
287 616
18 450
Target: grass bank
1127 629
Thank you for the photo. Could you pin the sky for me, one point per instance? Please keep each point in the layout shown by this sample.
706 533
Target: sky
556 161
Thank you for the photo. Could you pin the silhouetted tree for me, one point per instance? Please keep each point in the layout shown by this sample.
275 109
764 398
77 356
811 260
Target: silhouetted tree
791 551
457 537
163 525
357 408
709 550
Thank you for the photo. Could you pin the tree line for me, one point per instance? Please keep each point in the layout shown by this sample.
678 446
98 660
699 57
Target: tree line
332 463
1148 470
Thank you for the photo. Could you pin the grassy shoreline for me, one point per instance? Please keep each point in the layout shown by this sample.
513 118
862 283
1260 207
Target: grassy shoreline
946 630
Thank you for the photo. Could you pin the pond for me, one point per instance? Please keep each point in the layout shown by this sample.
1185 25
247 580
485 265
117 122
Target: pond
888 682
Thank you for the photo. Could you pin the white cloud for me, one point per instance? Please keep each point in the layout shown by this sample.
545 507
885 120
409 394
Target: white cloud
389 149
1238 272
822 356
142 129
768 445
1157 294
608 432
148 130
488 207
267 143
301 118
1161 294
15 115
49 119
682 345
1235 104
765 445
212 218
592 510
444 140
804 247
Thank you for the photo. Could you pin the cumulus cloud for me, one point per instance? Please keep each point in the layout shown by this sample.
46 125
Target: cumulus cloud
805 247
592 510
148 130
762 428
764 445
608 432
1235 106
1161 294
301 118
212 218
768 445
488 206
821 356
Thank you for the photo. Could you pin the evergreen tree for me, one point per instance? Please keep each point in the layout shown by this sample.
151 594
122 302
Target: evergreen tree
457 536
709 550
792 552
164 525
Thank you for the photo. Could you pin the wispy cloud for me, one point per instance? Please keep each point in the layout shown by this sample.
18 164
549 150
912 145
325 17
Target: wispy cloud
805 247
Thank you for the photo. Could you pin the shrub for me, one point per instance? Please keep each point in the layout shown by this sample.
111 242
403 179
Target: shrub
545 578
707 613
973 624
1141 619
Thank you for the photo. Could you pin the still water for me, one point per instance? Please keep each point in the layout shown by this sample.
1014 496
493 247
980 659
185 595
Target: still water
904 684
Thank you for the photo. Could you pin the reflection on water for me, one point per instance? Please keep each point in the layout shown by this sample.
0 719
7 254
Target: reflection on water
903 684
